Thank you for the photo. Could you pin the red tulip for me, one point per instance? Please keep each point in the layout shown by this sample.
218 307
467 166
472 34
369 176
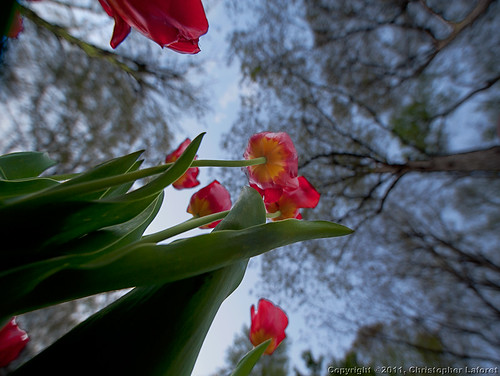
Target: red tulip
214 198
188 180
281 167
269 322
12 341
176 24
16 24
290 200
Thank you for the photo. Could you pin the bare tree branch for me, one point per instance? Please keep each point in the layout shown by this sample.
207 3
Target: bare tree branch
476 160
136 69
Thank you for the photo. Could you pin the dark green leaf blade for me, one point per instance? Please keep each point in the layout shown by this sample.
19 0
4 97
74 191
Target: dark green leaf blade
148 264
23 165
105 244
246 364
160 327
15 188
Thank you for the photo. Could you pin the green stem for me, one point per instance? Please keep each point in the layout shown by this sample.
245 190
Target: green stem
111 181
189 225
62 177
66 189
182 227
237 163
196 163
276 214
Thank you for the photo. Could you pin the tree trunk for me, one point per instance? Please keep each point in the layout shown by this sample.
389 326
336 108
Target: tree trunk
476 160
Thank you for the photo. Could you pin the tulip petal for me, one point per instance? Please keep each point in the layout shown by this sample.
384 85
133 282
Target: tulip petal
291 200
12 341
120 32
268 322
189 179
170 23
214 198
306 196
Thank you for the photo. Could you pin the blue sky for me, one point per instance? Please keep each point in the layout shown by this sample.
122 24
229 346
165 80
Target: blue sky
224 84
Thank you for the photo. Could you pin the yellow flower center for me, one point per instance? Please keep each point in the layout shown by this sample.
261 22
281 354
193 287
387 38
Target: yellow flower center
276 159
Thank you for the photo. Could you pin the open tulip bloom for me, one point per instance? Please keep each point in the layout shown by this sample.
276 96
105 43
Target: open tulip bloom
281 161
286 202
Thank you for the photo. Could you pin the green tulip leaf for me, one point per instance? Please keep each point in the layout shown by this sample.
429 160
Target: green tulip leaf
69 190
23 165
155 330
97 215
246 364
111 167
15 188
104 244
59 214
22 186
147 264
51 225
160 327
175 171
123 188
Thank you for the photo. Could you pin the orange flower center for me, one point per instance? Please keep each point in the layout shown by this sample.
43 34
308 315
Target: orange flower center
200 207
260 336
275 155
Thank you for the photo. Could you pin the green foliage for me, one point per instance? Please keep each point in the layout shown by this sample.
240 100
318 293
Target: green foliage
162 325
74 222
24 165
380 344
349 365
412 124
314 366
246 364
78 235
241 353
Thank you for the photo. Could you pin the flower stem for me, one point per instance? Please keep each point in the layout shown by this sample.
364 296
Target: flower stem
183 227
189 225
237 163
276 214
196 163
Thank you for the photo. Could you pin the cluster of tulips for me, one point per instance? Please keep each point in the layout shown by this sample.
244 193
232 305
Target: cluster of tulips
274 176
71 236
271 165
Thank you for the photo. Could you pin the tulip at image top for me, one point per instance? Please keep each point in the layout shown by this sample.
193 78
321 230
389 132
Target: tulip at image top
12 341
188 180
174 24
268 322
213 198
281 167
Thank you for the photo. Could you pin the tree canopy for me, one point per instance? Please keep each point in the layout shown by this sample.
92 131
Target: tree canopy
64 92
393 106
